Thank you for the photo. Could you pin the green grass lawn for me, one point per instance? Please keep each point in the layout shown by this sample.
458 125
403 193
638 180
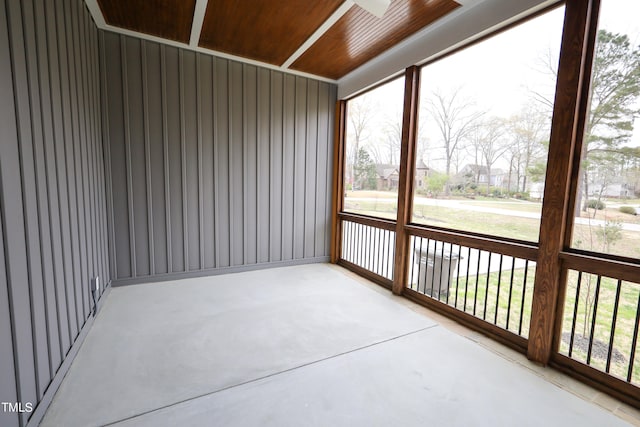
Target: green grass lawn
625 322
493 298
513 227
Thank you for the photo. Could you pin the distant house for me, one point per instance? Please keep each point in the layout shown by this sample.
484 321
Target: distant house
479 175
422 174
388 177
614 190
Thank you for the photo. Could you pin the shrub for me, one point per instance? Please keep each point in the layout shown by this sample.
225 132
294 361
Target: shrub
627 210
596 204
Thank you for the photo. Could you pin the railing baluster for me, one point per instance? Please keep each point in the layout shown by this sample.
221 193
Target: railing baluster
449 272
369 247
393 253
575 313
486 290
593 319
455 304
353 231
348 236
513 269
475 294
385 243
433 268
416 261
379 257
613 324
524 291
441 272
359 250
495 317
466 283
426 269
634 342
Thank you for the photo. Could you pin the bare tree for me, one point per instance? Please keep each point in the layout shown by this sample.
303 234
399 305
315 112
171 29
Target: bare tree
491 144
360 114
392 139
455 117
527 131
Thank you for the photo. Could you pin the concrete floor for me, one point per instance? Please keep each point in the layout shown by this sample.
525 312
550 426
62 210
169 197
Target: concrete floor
306 345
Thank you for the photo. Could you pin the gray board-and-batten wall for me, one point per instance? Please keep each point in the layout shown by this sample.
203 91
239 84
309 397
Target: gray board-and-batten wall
134 161
53 233
215 165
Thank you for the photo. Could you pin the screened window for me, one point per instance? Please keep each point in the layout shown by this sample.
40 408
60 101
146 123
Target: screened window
484 126
372 151
607 215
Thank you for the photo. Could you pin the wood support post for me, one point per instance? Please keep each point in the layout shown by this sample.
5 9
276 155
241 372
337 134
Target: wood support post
338 180
561 179
407 168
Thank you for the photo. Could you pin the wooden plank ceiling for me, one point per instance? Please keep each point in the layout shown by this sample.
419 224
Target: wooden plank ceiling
359 36
272 31
265 30
168 19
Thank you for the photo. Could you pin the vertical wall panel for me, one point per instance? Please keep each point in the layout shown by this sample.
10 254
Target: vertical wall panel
136 151
41 105
263 168
55 135
249 166
26 124
64 178
232 161
74 174
310 175
222 196
206 159
174 141
118 174
15 224
275 167
13 231
54 132
299 159
323 176
153 116
333 94
8 391
236 163
51 187
288 164
191 164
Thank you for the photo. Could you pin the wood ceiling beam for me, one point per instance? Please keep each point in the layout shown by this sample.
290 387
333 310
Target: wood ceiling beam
339 13
96 13
198 20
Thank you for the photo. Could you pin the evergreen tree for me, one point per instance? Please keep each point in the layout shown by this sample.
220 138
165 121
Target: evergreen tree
365 171
615 89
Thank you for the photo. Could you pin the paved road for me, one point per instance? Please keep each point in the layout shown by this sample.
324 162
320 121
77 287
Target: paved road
470 206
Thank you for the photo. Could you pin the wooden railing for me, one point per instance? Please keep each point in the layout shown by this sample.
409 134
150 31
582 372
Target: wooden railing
368 247
482 282
597 336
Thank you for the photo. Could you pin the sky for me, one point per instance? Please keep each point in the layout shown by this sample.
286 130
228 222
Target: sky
500 74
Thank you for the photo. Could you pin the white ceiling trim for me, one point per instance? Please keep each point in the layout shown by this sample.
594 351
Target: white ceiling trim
198 20
339 13
94 9
96 12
